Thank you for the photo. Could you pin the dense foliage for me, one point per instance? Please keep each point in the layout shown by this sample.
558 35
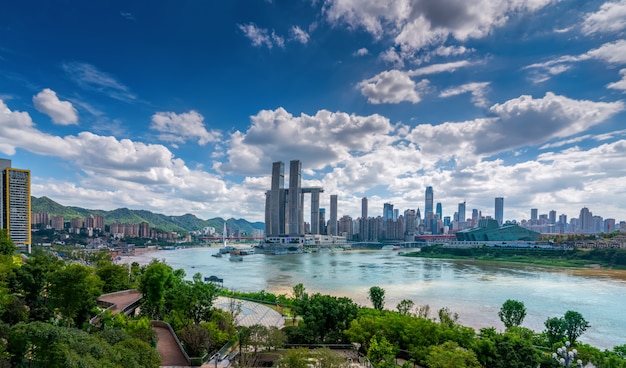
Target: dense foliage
606 257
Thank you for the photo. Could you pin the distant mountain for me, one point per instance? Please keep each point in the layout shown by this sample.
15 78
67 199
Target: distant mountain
187 222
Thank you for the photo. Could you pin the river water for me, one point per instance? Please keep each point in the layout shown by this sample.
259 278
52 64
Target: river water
473 289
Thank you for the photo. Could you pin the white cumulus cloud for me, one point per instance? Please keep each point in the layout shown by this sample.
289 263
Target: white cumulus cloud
61 112
611 17
181 127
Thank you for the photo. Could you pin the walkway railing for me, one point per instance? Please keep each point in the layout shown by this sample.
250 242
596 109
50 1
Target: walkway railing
167 326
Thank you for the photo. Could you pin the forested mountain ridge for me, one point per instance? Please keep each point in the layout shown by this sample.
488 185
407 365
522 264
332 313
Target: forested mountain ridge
187 222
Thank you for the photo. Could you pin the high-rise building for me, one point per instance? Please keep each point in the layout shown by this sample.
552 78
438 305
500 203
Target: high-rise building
296 222
322 221
552 217
364 208
499 210
533 215
315 211
332 222
461 215
585 221
439 210
15 203
284 207
275 201
428 207
387 213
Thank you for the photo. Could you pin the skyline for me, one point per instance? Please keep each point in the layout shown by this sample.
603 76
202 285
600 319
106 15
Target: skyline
182 108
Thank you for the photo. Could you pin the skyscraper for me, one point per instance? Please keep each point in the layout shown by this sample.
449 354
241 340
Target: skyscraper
332 224
461 215
387 213
533 215
276 201
552 217
364 208
15 203
499 211
428 208
295 198
439 210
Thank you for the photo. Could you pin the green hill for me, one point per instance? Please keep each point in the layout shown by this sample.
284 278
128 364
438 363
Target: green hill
184 223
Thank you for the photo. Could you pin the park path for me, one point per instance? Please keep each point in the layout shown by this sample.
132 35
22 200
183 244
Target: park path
168 348
121 299
167 345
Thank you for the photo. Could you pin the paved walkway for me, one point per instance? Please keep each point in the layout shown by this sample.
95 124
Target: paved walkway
171 355
121 299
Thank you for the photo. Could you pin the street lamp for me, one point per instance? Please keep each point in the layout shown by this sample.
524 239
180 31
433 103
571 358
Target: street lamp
565 358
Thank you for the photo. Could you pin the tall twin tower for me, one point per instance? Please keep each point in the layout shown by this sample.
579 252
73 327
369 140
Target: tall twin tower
284 207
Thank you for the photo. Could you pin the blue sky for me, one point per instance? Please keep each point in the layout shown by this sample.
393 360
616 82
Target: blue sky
181 107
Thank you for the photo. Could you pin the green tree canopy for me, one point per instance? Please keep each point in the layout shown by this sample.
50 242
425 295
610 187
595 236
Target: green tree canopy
74 290
512 313
7 247
377 296
156 280
450 354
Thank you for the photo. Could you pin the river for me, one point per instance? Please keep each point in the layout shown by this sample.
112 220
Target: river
473 289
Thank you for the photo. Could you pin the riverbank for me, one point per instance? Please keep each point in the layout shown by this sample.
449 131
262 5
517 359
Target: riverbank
608 259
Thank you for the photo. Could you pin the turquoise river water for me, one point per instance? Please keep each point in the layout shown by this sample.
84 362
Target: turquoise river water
474 290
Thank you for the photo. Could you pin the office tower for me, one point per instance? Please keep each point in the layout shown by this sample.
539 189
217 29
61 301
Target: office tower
295 198
428 208
499 212
15 203
315 211
364 208
322 221
552 217
275 204
609 225
585 221
418 217
563 224
533 215
439 210
332 225
387 213
461 214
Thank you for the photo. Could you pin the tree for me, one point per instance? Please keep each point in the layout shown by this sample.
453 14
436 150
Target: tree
377 296
114 277
569 327
294 358
7 247
555 330
299 292
575 325
196 340
447 318
405 306
325 318
450 354
155 281
191 300
326 358
512 313
381 352
34 279
74 290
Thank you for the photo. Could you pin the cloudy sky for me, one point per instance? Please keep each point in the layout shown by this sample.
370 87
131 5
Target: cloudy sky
181 107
